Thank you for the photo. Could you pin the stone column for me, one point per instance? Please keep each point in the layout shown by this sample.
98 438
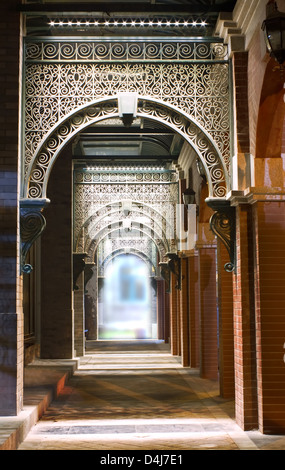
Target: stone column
11 310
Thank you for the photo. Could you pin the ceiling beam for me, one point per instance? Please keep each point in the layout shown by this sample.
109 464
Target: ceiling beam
133 158
115 131
122 7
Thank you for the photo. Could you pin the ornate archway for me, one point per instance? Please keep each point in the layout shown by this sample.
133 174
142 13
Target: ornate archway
71 85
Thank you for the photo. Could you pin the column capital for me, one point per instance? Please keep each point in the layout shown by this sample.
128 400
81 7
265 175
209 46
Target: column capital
252 195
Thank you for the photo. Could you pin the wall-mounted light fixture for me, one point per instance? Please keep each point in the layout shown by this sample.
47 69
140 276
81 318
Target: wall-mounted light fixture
128 103
188 196
274 32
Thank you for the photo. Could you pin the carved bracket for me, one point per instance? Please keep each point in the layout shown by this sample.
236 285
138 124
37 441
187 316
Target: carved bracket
88 273
78 267
223 224
165 273
174 264
32 224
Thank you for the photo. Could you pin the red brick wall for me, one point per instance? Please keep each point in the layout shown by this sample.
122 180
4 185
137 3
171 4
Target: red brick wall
174 331
256 69
194 311
57 277
244 322
226 333
240 75
270 307
184 314
208 313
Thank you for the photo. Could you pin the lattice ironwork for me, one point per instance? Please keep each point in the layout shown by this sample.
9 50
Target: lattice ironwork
204 146
66 90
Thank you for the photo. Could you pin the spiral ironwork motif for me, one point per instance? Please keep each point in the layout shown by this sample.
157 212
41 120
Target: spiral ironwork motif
32 224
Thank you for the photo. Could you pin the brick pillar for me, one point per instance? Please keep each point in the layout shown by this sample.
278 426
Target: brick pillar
57 266
244 322
160 309
173 316
90 302
226 331
269 220
208 313
11 310
184 315
79 317
178 323
166 316
194 309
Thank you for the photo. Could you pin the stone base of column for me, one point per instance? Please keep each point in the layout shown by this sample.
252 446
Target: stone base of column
12 360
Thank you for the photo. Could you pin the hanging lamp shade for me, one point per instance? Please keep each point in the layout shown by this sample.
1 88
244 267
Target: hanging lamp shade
274 32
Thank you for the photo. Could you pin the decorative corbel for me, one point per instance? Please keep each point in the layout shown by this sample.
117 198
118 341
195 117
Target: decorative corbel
78 267
165 273
223 224
88 273
32 224
174 264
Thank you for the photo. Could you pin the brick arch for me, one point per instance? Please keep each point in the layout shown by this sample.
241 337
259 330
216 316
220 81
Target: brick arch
36 179
270 138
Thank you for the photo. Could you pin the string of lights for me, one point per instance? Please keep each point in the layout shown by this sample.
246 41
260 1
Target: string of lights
127 23
124 168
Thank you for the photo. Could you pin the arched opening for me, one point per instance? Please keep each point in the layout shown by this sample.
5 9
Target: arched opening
125 300
106 153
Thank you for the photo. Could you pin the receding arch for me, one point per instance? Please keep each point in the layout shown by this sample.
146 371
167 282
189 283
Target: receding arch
162 248
131 251
36 180
89 231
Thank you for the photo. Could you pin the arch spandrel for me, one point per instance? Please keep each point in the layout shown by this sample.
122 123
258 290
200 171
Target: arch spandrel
36 180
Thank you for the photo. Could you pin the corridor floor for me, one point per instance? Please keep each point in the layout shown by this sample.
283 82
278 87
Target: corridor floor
136 396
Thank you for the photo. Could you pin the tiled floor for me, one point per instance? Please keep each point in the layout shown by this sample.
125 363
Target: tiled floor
140 398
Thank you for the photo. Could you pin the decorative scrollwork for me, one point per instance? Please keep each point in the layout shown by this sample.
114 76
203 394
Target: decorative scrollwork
63 77
111 50
165 274
32 224
78 267
223 225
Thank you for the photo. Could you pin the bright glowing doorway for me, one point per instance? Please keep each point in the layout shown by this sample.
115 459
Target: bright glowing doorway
126 310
